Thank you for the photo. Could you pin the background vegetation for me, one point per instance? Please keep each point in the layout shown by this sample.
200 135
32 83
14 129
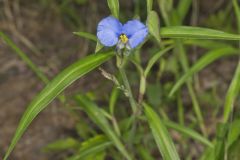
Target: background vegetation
174 97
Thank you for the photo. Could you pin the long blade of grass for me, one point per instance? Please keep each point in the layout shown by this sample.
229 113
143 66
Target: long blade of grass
149 5
53 89
161 135
113 99
234 87
95 113
154 59
24 57
232 93
196 33
237 13
114 7
201 63
61 145
92 146
153 25
188 132
165 9
86 35
234 132
208 44
183 8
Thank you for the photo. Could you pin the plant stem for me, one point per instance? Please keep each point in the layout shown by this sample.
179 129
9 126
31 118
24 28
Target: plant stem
129 91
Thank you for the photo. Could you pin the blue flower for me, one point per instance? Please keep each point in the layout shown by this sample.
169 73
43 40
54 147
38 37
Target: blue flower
111 32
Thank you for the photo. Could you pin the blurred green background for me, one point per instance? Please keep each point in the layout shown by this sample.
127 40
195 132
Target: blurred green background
43 29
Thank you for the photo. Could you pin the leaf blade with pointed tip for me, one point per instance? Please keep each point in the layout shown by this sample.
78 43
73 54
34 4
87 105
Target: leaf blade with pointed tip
188 132
114 7
53 89
201 63
153 25
95 114
86 35
196 33
149 5
161 135
92 146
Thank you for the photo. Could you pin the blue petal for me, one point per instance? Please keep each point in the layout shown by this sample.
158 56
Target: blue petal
138 38
107 37
108 31
132 27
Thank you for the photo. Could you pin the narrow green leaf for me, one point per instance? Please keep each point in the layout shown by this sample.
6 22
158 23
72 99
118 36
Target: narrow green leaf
114 7
165 8
96 115
233 151
99 46
183 8
92 37
153 25
188 132
61 145
237 12
113 99
232 93
208 154
86 35
24 57
144 153
220 145
234 87
53 89
161 135
149 5
210 57
155 58
196 33
208 44
92 147
234 132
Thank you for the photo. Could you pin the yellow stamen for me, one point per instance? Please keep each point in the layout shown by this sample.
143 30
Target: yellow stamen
123 38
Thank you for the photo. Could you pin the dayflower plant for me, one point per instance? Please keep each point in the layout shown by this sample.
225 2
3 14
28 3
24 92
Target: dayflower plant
110 32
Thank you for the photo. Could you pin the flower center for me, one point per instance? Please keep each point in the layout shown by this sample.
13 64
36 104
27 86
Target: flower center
123 38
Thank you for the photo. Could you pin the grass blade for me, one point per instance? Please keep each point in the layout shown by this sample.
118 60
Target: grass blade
153 25
113 99
95 113
86 35
201 63
91 147
161 135
155 58
196 33
232 93
234 132
234 87
62 144
208 44
24 57
188 132
53 89
114 7
149 5
183 8
165 9
237 13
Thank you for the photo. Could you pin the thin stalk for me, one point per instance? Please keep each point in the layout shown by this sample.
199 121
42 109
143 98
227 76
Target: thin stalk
129 91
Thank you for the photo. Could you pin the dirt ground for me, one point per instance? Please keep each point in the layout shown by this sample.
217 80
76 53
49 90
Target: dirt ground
33 28
49 42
